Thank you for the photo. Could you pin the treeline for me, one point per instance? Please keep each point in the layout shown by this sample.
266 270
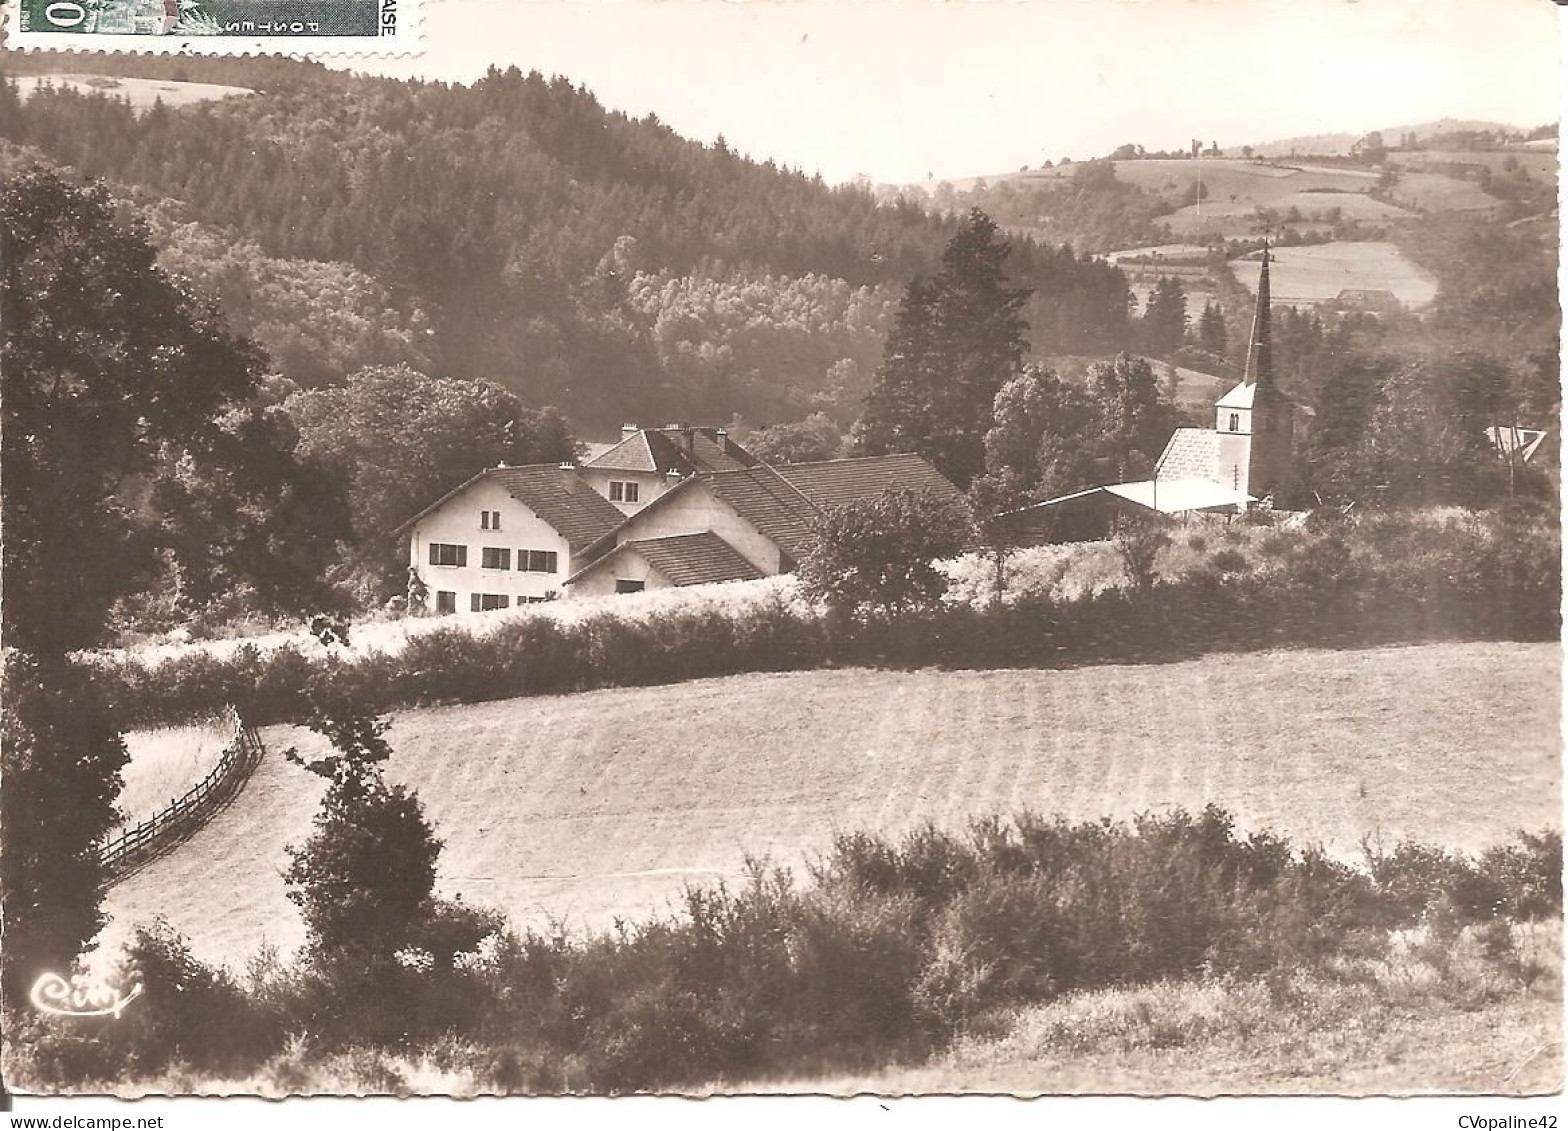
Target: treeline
490 209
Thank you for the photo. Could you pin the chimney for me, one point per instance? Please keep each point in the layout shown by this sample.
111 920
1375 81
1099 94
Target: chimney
720 436
672 477
568 465
629 430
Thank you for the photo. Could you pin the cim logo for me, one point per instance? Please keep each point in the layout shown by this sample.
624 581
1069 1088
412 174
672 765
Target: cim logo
78 997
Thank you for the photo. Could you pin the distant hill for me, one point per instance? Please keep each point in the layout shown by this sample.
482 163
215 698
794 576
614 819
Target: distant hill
581 257
1340 144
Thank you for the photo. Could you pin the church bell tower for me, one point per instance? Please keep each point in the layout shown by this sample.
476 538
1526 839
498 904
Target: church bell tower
1254 421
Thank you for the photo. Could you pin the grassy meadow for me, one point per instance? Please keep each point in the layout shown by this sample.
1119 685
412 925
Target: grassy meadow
1315 273
165 763
140 93
603 804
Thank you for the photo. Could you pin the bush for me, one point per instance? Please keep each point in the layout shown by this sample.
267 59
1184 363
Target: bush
1228 561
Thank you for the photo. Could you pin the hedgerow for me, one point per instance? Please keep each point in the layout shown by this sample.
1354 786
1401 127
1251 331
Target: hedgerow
890 950
1383 579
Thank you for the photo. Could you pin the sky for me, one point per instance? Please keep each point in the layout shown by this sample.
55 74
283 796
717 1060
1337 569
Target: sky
899 90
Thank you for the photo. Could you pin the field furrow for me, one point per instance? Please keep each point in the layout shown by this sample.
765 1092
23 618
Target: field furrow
590 806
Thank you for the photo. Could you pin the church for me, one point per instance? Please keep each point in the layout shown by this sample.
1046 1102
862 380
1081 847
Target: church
1243 460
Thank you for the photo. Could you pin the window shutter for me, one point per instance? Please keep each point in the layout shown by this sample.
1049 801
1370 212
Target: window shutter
462 555
473 602
433 558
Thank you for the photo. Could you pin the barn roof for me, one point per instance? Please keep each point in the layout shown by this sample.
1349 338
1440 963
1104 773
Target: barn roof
676 448
1173 496
837 482
556 494
764 498
685 559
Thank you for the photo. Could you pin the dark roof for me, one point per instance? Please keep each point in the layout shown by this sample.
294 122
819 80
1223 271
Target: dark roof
677 448
783 502
836 482
571 507
764 498
694 559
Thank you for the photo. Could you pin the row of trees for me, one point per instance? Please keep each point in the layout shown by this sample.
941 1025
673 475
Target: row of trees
134 434
496 218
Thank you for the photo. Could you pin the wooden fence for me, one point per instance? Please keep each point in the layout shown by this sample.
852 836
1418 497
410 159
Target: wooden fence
184 815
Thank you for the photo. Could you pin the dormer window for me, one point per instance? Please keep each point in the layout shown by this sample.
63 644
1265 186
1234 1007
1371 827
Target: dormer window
1235 422
489 520
623 492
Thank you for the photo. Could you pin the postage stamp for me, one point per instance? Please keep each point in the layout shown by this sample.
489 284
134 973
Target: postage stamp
217 27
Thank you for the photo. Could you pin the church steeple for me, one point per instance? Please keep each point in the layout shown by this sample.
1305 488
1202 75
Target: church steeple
1260 353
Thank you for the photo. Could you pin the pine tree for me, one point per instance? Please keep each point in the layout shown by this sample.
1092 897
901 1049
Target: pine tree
1211 330
958 339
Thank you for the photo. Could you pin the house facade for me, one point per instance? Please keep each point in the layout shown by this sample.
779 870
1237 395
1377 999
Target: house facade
506 537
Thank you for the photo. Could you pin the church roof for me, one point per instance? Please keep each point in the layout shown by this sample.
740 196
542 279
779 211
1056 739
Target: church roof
1193 453
1239 397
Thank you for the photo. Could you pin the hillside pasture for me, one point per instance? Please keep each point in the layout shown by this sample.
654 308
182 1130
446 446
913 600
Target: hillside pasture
1439 192
140 93
1233 216
1313 274
1538 163
587 807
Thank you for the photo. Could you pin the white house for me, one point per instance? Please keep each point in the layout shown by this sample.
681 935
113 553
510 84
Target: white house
508 536
647 462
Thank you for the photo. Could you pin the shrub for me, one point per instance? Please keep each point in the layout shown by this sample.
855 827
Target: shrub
879 554
1228 561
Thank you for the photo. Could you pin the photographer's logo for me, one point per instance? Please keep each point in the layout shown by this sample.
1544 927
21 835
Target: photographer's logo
80 997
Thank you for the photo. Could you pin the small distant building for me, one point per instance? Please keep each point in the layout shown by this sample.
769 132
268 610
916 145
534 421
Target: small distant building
1519 444
1244 458
1382 303
647 462
506 537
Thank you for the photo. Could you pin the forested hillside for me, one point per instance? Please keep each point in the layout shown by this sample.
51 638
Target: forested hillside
517 230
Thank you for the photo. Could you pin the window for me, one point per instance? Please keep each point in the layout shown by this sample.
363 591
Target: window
446 601
631 492
621 492
495 557
538 561
489 520
628 586
484 602
1235 422
445 554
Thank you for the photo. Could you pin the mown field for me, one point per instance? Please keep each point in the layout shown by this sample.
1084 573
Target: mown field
140 93
587 807
1311 274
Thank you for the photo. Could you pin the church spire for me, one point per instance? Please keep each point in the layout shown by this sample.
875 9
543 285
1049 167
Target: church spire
1260 353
